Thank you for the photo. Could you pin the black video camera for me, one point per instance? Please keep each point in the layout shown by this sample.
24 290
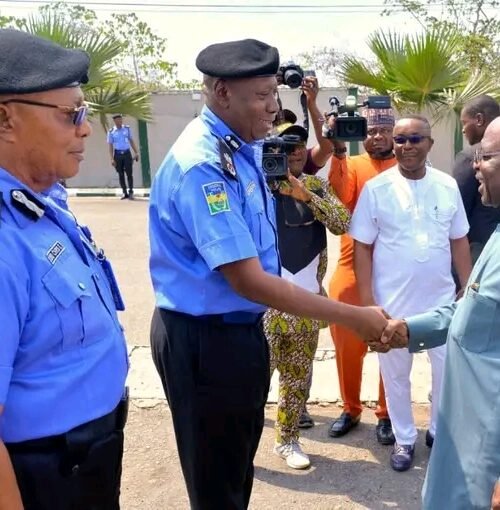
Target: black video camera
292 75
274 155
349 125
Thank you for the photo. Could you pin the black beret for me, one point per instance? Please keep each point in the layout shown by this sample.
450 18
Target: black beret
32 64
117 116
248 58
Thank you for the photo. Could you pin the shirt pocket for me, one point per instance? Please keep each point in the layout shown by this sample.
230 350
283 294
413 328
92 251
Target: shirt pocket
257 221
473 321
439 220
68 292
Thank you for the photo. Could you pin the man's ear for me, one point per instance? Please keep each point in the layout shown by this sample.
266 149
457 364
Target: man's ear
221 92
480 119
6 125
432 141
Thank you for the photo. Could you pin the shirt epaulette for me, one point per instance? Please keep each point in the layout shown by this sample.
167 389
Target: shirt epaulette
27 204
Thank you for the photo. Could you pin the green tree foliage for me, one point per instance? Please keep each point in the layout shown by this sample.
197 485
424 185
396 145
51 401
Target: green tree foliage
142 56
107 91
476 22
419 71
143 51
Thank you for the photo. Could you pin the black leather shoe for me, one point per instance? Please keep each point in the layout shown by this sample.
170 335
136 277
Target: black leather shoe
429 439
342 425
305 420
402 457
384 432
124 196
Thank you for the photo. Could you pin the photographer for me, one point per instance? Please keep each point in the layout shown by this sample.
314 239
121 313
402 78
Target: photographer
347 177
305 208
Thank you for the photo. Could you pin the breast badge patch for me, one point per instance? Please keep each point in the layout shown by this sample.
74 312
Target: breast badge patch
54 252
216 197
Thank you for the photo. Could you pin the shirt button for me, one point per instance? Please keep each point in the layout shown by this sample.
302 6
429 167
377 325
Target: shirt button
81 285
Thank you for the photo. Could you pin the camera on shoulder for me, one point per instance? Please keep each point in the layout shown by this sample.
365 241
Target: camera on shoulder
350 126
275 155
292 75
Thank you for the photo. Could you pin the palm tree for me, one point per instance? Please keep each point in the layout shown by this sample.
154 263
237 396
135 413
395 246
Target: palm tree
419 72
106 92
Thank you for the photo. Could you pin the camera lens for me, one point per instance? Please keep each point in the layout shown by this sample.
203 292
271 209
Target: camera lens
351 129
269 165
293 79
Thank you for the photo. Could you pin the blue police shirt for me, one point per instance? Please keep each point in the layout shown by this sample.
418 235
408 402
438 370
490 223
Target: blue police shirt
63 358
202 217
120 138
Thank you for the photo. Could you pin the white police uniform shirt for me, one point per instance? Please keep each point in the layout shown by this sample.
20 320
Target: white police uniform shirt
410 223
63 358
209 207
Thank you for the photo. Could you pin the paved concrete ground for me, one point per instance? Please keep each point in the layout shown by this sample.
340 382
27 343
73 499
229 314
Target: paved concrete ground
348 473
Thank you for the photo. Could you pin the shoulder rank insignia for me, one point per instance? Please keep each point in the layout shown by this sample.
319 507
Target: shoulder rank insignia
233 142
27 204
226 159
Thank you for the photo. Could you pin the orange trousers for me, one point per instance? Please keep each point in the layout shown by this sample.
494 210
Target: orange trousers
350 350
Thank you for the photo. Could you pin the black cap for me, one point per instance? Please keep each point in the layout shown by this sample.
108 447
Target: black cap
286 128
285 116
248 58
117 116
30 63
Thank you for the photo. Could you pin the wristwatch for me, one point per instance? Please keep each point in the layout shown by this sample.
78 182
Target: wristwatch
339 152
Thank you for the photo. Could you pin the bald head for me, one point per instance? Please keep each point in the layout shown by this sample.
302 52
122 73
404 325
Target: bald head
491 139
488 166
476 115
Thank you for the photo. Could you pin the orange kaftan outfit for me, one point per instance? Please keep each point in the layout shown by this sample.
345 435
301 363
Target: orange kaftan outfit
347 177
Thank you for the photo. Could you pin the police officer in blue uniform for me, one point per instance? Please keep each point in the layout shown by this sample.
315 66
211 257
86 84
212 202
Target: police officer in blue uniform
63 358
120 141
215 269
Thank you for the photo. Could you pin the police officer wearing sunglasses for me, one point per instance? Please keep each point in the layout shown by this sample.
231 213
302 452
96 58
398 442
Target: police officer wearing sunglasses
63 358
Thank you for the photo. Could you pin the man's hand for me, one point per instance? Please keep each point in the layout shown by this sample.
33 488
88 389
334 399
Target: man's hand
136 157
113 162
295 188
310 88
370 324
395 334
495 498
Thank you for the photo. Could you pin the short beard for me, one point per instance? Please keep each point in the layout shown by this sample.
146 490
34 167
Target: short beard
382 155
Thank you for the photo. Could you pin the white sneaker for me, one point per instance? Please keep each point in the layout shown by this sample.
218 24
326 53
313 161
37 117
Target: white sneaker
293 454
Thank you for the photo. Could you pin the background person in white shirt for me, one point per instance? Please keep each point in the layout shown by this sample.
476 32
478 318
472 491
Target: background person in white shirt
408 225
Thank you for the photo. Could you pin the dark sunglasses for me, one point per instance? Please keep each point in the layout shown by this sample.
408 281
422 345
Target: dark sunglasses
413 139
479 155
79 113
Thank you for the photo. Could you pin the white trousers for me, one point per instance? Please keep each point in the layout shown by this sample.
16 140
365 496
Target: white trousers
395 366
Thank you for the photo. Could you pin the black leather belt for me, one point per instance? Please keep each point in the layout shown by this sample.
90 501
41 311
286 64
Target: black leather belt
234 318
222 318
122 152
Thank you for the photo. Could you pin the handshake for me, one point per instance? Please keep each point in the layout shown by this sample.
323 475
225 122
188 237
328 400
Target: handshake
379 331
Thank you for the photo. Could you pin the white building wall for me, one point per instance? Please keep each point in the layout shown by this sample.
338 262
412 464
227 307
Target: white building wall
174 110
